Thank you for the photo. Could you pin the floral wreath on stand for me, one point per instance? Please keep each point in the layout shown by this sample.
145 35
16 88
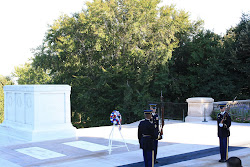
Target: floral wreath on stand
116 118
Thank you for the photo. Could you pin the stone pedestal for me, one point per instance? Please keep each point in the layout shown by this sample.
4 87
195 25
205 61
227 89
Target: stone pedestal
37 112
199 109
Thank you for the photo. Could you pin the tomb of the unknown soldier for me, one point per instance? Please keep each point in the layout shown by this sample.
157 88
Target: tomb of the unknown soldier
37 112
37 131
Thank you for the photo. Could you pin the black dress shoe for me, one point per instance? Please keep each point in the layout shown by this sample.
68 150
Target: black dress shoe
222 160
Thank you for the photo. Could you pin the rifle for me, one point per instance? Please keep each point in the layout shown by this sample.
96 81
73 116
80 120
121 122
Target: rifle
224 117
162 116
227 111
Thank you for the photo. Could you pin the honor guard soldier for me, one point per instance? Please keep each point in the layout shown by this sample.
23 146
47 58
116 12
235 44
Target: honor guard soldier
223 123
156 126
146 137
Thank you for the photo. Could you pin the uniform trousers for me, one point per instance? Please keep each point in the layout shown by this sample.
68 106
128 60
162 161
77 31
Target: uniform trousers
148 156
155 149
224 147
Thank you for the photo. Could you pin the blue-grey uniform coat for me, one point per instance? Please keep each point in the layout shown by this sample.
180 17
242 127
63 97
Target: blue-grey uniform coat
146 135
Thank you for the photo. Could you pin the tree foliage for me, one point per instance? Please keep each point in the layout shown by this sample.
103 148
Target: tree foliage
3 81
27 74
111 54
197 69
120 54
237 46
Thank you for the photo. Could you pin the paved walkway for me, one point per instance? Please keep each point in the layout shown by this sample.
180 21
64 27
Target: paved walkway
184 144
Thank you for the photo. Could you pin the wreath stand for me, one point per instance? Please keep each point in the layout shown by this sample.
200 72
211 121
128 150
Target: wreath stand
111 139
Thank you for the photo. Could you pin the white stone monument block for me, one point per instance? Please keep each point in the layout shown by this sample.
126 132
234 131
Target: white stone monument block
199 109
37 112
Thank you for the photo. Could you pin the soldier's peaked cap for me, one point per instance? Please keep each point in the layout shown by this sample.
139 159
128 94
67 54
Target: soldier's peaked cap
222 105
147 111
152 105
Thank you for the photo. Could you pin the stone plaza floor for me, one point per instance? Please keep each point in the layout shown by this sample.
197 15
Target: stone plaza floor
185 144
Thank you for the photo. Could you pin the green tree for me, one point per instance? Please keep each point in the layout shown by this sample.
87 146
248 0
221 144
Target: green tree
197 69
111 54
207 64
26 74
3 81
237 45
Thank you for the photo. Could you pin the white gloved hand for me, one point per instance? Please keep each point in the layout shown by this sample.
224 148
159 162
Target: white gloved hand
221 125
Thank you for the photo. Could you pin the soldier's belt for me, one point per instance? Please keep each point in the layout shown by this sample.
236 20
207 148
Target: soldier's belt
146 135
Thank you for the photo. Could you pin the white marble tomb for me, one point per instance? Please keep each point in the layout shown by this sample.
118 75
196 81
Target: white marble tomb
199 108
37 112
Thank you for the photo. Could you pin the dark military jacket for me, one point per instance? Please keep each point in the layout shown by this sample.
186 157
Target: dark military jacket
223 131
146 135
156 123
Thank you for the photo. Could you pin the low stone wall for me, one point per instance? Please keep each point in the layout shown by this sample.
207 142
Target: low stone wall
200 108
232 103
37 112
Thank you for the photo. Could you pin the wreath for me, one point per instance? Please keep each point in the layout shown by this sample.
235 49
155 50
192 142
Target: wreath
115 117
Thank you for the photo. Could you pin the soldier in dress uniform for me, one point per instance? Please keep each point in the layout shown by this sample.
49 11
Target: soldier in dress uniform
156 126
223 123
146 137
